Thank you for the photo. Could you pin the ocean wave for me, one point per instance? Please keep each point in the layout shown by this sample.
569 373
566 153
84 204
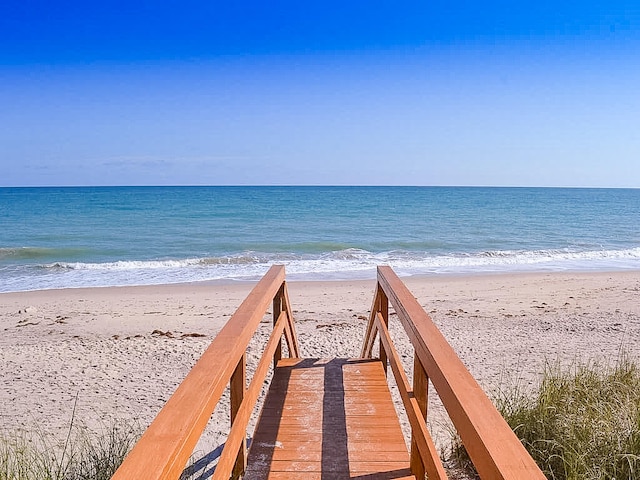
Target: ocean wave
348 263
247 258
239 260
357 257
529 256
123 265
348 254
230 260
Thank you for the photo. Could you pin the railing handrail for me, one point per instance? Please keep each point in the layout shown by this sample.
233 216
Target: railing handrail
165 447
493 448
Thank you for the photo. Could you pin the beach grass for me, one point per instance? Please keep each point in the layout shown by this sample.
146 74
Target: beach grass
83 455
582 422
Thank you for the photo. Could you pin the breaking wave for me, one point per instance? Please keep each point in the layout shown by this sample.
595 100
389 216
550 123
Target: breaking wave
350 263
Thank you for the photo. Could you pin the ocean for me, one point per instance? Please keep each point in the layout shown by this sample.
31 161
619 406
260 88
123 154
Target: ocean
71 237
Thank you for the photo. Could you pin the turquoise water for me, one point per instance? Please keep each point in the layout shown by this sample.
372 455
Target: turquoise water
76 237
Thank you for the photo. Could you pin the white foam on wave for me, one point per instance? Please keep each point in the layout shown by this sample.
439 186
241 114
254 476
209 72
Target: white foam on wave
124 265
343 264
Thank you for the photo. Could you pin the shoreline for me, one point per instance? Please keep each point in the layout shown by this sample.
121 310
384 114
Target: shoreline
99 342
227 282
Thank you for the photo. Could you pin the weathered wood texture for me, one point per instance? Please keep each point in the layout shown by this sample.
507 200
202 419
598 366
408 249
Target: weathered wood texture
167 444
494 449
328 419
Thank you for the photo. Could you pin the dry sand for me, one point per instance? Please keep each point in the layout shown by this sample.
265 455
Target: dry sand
99 345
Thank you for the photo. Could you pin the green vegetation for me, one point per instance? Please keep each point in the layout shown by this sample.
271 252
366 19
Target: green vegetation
84 455
583 422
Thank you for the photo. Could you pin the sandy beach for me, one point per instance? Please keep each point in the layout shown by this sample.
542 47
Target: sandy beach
122 351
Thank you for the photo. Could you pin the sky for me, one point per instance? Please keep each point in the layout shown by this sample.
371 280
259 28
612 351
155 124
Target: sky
320 93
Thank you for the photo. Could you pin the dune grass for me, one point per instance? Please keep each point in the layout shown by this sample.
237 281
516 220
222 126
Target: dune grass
582 422
83 455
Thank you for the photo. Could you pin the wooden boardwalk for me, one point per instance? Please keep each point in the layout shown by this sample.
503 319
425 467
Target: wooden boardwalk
328 419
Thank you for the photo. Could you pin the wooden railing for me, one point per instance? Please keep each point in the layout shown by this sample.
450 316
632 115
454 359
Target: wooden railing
493 448
165 447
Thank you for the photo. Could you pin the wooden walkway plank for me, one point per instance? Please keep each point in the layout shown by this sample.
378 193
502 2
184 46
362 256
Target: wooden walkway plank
383 469
328 419
396 475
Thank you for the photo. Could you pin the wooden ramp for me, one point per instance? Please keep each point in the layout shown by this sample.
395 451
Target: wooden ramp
332 418
328 419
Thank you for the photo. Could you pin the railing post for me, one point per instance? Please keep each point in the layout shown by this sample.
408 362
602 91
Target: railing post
277 310
383 308
237 387
292 338
420 393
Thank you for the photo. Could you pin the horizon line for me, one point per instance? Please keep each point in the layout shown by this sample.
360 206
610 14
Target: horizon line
240 185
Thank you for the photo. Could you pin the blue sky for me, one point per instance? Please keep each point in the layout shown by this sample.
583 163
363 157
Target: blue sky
378 92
